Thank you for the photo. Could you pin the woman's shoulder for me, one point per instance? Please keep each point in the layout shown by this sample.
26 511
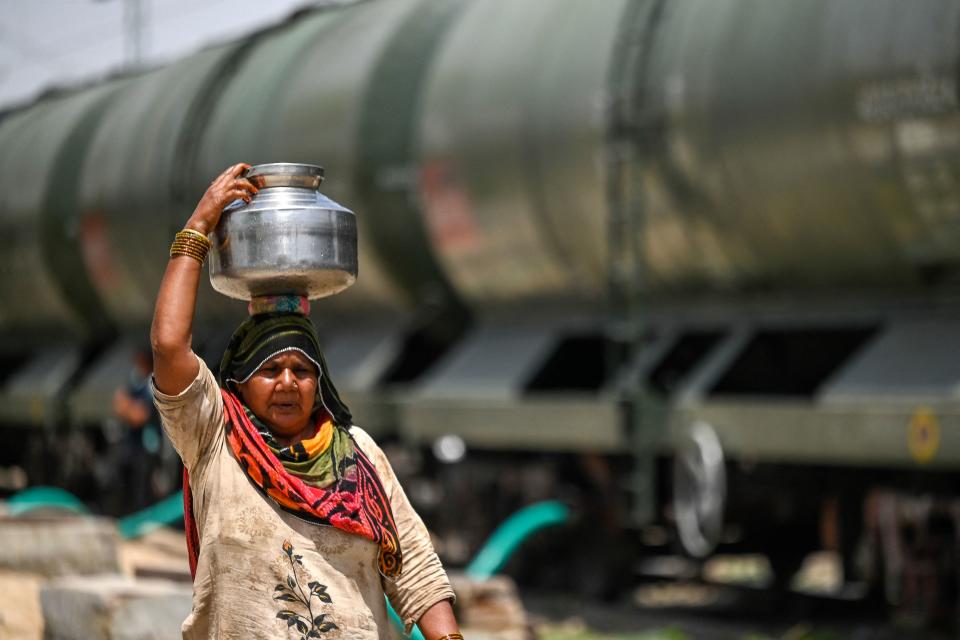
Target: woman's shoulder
377 457
363 439
204 384
370 448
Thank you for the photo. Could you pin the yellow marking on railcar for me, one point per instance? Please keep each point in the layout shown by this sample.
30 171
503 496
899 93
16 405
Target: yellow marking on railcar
923 435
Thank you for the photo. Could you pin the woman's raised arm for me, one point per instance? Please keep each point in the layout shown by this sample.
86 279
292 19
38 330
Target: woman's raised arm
174 365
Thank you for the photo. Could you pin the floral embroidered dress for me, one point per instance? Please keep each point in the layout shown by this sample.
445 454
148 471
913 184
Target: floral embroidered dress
264 573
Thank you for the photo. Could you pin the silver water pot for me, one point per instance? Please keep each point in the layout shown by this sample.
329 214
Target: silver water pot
289 239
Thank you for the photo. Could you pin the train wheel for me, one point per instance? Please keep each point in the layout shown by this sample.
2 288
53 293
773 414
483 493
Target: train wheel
699 489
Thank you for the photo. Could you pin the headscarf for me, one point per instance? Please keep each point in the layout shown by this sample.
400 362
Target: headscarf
262 336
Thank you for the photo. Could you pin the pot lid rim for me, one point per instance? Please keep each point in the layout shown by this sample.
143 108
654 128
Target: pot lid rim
285 169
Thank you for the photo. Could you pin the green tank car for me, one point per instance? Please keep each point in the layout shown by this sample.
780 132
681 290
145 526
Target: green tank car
698 258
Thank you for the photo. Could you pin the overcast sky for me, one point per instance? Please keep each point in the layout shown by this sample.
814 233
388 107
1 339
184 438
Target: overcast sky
45 43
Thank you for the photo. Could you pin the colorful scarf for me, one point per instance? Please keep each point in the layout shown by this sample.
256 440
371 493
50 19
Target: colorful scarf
315 460
325 479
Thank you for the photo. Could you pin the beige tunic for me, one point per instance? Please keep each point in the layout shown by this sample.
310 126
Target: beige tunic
264 573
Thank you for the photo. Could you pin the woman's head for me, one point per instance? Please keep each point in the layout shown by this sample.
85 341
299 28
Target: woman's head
283 392
268 356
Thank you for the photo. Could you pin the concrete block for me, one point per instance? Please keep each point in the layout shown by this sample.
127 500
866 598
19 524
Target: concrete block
159 554
112 607
20 614
59 545
489 608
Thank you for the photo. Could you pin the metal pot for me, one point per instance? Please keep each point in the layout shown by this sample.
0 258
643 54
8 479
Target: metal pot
289 239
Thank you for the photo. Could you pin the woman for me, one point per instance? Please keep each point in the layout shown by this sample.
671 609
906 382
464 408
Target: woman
296 523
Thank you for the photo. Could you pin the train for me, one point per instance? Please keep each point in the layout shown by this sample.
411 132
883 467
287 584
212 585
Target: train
693 265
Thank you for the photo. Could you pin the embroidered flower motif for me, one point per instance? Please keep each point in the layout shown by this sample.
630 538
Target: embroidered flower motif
309 625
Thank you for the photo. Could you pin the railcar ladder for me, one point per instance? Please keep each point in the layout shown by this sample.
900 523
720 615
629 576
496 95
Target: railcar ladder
629 128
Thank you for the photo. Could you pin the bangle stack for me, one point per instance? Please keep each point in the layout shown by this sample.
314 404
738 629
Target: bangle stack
190 242
451 636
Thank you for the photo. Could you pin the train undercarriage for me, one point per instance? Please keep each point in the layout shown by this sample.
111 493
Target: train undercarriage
735 440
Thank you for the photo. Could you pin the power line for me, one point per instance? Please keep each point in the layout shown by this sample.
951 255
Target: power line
134 19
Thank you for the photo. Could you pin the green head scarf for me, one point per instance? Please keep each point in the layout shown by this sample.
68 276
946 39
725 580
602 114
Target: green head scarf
262 336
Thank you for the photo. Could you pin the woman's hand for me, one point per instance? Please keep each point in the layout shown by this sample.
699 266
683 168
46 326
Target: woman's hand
225 188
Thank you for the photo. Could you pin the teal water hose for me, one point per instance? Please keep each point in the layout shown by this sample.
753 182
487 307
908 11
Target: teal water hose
167 511
512 533
416 634
44 498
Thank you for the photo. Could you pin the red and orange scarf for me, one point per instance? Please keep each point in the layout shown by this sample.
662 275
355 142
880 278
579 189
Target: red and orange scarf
355 503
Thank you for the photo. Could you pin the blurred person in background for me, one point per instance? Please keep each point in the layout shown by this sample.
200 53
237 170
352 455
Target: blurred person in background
140 439
295 521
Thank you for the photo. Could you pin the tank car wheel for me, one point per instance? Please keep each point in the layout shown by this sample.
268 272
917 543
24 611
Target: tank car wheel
699 489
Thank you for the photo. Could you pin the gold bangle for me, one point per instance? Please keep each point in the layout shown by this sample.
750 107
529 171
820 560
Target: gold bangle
451 636
187 247
193 233
189 243
192 243
175 254
198 258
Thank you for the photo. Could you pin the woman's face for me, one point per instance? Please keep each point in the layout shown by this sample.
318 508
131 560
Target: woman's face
282 394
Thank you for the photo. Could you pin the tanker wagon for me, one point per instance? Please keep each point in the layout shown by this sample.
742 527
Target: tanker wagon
690 264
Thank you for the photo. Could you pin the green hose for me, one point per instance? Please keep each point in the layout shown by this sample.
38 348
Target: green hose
513 532
44 498
416 634
167 511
